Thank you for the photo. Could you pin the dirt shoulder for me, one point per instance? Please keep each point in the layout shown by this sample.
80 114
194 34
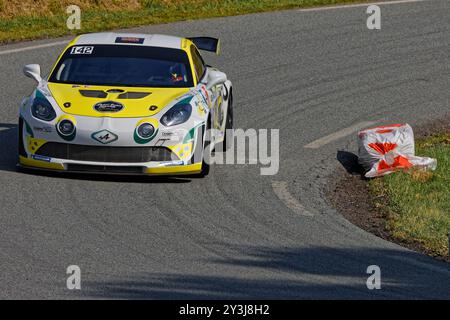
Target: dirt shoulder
349 192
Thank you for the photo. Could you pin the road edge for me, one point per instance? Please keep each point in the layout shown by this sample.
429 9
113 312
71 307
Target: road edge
360 205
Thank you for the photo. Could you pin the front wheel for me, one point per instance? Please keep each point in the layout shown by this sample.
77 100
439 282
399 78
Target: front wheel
206 147
21 146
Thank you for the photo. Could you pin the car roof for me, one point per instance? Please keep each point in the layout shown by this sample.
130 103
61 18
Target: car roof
151 40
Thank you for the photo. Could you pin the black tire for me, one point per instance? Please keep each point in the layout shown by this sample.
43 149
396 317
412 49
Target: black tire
227 143
205 166
21 147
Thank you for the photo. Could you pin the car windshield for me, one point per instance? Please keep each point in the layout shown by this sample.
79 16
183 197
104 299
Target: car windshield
124 65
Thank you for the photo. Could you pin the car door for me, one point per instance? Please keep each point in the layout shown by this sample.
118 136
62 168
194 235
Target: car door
214 96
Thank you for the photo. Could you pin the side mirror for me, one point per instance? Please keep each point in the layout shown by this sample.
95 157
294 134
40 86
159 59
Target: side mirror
214 78
33 71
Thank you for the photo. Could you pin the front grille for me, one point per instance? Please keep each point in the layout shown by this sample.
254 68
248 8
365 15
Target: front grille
105 154
104 169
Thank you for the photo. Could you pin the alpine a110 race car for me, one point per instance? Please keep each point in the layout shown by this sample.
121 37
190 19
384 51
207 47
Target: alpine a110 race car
126 103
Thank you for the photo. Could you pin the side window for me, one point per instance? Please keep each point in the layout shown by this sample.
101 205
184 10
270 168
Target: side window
198 63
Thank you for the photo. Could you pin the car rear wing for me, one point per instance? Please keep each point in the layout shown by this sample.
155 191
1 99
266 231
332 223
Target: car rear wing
207 44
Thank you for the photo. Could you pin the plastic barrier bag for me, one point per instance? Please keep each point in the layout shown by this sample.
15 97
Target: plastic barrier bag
385 149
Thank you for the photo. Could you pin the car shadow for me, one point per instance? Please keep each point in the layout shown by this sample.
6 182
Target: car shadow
9 154
350 163
259 275
8 147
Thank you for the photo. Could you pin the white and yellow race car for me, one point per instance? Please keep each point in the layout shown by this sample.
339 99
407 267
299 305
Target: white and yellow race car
126 103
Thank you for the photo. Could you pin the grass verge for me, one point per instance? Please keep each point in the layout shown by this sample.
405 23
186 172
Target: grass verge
31 19
417 203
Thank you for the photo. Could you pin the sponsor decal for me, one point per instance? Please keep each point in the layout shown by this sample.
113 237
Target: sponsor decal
104 136
41 158
108 106
174 136
82 50
46 129
201 108
190 134
205 94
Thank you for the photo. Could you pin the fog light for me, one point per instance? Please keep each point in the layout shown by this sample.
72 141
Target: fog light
66 127
145 130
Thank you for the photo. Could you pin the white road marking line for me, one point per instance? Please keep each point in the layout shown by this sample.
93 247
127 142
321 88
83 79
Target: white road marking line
358 5
52 44
281 190
6 127
340 134
39 46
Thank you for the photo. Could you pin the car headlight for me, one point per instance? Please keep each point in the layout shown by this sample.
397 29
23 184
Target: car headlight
43 110
66 127
145 130
176 115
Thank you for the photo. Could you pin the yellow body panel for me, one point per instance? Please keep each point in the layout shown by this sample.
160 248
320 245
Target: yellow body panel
34 144
187 169
40 164
183 151
133 108
84 106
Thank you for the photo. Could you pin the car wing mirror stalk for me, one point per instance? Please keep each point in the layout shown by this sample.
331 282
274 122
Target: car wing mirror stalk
215 78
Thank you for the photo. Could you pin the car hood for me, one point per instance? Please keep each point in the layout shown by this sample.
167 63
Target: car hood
137 102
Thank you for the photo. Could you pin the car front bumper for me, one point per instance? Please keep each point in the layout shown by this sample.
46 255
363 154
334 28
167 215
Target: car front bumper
149 168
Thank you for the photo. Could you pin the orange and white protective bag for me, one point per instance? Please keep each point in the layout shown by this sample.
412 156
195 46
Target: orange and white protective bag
385 149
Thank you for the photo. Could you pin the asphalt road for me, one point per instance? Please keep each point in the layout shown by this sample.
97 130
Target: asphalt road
230 235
